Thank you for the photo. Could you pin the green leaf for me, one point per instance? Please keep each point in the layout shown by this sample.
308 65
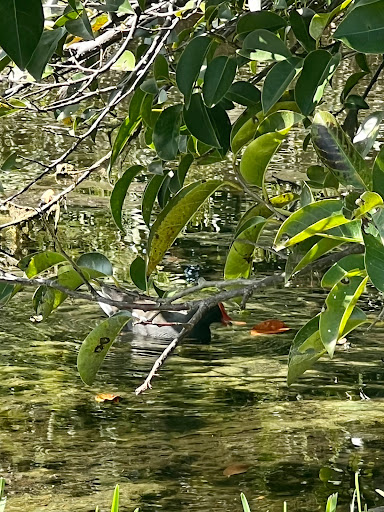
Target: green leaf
262 45
332 503
199 123
244 93
240 256
189 65
115 501
350 83
34 264
258 154
96 345
307 347
353 264
378 173
318 69
374 260
126 62
149 197
44 51
116 6
177 181
21 26
160 68
278 80
244 503
167 131
137 271
222 127
367 133
367 202
363 27
260 20
309 221
120 191
300 26
321 21
218 79
176 215
308 251
245 128
80 26
336 151
339 306
97 262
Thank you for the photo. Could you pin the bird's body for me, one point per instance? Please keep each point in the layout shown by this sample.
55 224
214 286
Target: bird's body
164 324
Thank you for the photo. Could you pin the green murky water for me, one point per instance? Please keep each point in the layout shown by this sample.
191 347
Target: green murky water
212 406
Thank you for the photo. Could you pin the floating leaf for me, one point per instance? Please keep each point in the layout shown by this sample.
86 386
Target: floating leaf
269 327
176 215
337 152
240 256
339 306
278 80
108 397
96 345
318 69
167 131
235 469
21 26
120 191
189 65
262 45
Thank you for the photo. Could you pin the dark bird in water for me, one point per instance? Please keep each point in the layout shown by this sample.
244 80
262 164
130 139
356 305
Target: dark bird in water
164 324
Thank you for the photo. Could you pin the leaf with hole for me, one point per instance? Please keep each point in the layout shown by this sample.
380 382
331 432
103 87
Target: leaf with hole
96 345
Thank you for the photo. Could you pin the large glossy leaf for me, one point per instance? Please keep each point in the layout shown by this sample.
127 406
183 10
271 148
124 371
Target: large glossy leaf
21 26
310 220
34 264
167 131
318 69
307 347
199 123
278 80
259 20
300 25
378 173
44 51
337 152
218 79
262 45
339 306
374 260
367 133
244 93
176 215
96 345
96 264
259 153
120 191
189 65
353 264
363 27
240 256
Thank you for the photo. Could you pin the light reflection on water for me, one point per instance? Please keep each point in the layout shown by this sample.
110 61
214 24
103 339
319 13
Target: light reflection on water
212 405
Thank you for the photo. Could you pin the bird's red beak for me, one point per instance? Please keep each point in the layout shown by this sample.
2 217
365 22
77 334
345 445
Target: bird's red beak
225 318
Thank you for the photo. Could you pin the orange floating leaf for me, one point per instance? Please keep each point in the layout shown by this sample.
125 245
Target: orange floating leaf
108 397
235 469
269 327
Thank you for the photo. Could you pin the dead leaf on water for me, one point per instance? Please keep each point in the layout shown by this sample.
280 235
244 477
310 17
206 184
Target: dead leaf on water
235 469
108 397
269 327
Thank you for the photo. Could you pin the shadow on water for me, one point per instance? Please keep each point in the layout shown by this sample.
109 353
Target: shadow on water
212 405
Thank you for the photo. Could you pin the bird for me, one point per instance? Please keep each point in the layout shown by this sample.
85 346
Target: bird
163 324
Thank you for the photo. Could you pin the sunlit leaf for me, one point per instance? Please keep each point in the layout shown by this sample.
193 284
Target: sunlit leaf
96 345
339 306
262 45
120 191
367 133
21 26
353 264
34 264
367 202
318 69
337 152
176 215
240 256
126 62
